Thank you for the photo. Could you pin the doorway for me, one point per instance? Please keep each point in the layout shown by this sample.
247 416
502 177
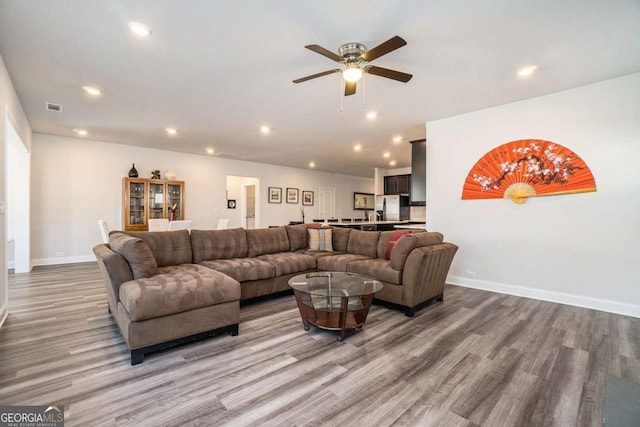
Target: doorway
326 202
18 184
244 191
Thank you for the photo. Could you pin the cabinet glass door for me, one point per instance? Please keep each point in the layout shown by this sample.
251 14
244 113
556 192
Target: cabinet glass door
174 196
156 200
136 203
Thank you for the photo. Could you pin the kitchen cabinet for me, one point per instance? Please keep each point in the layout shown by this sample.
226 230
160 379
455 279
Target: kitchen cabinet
397 184
144 199
419 172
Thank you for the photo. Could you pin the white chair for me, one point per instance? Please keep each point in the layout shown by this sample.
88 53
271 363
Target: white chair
104 230
180 225
223 224
158 224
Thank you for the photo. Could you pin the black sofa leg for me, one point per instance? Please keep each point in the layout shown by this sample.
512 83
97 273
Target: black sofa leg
440 297
233 330
137 356
409 312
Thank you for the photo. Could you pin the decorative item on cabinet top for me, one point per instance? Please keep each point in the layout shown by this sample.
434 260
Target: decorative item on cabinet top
155 174
170 174
133 172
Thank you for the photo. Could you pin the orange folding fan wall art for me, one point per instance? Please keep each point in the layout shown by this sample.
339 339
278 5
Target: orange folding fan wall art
526 168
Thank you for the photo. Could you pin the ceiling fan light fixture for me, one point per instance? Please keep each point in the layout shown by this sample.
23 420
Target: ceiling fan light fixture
352 73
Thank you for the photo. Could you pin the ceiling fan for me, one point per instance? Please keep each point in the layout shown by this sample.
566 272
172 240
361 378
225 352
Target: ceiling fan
355 57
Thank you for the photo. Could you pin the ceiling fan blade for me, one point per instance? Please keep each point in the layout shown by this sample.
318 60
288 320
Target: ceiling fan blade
349 88
325 52
390 45
390 74
313 76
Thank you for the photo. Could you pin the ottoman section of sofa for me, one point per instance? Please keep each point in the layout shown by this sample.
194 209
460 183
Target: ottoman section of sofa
178 291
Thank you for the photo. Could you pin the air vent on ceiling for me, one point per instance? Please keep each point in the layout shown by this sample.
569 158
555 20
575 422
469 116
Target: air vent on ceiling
50 106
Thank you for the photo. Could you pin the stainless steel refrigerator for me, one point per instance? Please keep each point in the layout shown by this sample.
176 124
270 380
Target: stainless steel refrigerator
392 208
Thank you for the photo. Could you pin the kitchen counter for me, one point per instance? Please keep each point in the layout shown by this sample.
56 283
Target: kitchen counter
411 226
370 225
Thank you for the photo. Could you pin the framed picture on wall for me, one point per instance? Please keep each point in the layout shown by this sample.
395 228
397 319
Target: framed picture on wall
307 198
275 195
292 195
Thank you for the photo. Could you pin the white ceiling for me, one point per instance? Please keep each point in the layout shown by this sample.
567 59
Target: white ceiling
218 70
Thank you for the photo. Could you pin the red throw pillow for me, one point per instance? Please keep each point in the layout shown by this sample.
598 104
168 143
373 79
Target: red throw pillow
394 239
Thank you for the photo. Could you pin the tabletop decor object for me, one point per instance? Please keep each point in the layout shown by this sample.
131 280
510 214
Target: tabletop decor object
527 168
133 172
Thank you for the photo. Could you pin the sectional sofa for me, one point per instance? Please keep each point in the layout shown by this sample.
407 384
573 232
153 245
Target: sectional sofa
167 288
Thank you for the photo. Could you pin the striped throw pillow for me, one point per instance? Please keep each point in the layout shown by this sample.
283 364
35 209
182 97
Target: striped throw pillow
320 239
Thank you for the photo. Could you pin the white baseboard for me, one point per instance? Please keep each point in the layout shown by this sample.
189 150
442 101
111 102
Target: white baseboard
552 296
63 260
4 312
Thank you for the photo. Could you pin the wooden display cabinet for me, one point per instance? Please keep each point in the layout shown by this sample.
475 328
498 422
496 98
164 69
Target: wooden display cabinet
143 199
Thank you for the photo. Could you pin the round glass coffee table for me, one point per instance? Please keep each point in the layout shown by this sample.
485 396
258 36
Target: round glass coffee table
334 300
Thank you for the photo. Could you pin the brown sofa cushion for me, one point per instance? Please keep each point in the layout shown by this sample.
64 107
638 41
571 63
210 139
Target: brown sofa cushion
209 245
297 236
409 242
267 241
169 247
378 268
363 243
192 286
289 262
243 269
340 238
337 262
137 253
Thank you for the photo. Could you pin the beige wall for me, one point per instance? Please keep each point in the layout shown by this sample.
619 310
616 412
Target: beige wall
580 249
76 182
9 108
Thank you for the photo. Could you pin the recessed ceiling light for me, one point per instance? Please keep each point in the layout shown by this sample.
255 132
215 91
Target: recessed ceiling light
81 132
265 129
92 90
312 164
171 131
392 163
372 115
210 150
386 154
357 147
139 29
527 71
397 139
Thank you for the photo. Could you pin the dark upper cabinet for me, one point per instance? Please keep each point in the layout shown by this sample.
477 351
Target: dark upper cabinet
397 184
419 172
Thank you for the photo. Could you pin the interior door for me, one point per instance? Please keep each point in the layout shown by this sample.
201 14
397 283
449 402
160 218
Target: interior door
326 202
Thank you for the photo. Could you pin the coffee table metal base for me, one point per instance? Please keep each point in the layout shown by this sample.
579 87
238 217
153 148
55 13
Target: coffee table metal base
342 314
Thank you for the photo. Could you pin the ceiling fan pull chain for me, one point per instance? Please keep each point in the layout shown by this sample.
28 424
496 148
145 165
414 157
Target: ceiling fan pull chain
341 89
364 90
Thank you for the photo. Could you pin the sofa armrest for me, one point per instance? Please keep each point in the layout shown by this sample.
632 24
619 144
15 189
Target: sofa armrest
425 272
115 271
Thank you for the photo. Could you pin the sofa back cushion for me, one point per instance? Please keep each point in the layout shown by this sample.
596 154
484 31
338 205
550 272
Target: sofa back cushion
297 235
363 243
137 253
168 247
267 241
383 242
340 238
409 242
210 245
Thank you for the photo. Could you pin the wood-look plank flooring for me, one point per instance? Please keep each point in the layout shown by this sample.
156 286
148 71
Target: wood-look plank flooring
478 359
